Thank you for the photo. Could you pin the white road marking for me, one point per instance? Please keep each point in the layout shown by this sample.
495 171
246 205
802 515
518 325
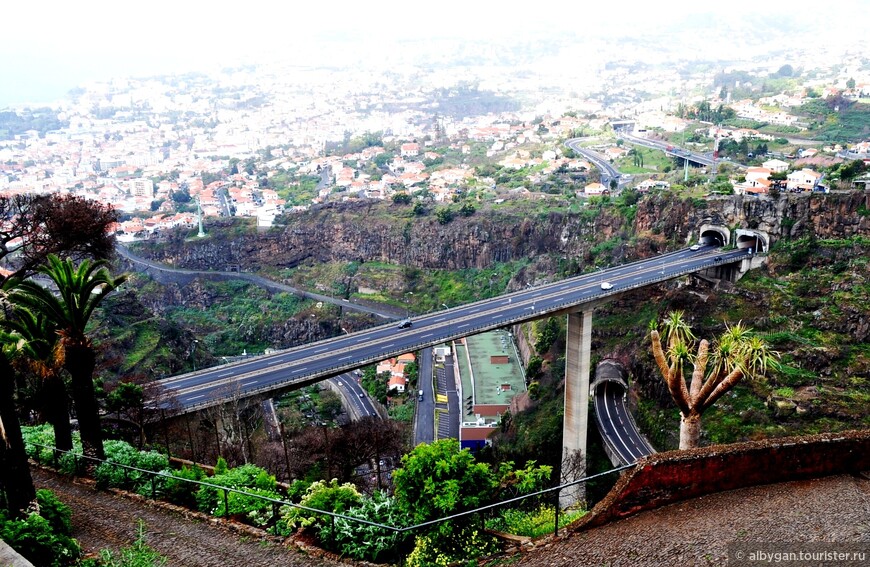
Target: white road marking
195 397
299 370
424 336
496 316
225 374
249 383
345 357
274 362
465 325
320 350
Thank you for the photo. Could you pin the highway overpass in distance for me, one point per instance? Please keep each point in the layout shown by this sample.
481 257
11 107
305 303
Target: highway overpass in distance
269 375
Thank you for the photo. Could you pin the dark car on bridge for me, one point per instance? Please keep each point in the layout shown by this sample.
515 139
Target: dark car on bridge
405 324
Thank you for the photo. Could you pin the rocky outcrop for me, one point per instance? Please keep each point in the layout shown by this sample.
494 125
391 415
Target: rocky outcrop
380 232
788 216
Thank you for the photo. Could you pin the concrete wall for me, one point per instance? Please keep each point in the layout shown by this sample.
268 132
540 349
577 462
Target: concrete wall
669 477
10 558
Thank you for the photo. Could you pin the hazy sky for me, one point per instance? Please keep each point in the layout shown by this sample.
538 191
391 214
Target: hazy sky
49 46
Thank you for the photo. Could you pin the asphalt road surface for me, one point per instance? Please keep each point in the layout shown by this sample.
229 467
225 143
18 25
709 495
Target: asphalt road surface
313 362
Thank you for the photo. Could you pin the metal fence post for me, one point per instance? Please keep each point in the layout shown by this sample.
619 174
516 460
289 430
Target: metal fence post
556 527
153 489
226 503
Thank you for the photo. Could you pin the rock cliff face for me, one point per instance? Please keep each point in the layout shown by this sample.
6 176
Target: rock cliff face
379 232
789 216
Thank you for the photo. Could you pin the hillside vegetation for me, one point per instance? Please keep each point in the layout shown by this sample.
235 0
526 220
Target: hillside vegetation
809 301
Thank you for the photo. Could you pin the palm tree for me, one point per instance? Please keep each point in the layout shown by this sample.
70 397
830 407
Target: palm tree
735 355
15 479
43 356
80 290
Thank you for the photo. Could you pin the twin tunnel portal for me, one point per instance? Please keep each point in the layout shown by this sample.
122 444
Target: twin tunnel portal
269 375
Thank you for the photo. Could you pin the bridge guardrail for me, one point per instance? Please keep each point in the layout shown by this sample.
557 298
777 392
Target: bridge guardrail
154 475
338 368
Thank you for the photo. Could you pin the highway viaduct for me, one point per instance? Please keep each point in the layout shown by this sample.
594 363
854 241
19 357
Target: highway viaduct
719 254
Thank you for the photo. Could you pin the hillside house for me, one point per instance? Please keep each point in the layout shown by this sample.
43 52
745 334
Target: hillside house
410 150
595 189
803 180
776 165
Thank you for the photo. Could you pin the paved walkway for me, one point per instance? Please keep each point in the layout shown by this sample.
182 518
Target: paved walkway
826 514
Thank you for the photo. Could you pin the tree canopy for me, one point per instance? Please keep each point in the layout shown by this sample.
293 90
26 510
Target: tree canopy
710 370
32 227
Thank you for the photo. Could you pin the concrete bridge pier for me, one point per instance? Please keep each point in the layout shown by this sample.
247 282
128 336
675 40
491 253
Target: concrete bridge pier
578 352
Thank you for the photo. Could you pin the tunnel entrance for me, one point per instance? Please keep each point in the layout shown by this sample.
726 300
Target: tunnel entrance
714 236
752 239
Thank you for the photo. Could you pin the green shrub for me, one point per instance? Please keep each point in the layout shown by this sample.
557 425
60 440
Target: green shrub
37 539
297 490
176 490
329 497
362 541
56 512
465 545
122 453
210 499
44 435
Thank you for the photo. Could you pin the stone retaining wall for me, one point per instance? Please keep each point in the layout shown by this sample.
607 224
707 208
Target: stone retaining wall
664 478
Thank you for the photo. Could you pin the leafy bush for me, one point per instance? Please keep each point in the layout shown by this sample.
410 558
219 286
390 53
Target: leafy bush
123 453
39 539
329 497
176 490
465 545
250 478
44 435
56 512
297 490
362 541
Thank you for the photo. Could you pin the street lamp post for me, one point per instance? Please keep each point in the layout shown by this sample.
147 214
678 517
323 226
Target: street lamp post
449 324
193 354
408 304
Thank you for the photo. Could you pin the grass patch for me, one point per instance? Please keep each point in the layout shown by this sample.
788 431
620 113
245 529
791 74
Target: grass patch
534 523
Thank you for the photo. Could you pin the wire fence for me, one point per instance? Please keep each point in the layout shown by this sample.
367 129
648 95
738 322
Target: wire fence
82 463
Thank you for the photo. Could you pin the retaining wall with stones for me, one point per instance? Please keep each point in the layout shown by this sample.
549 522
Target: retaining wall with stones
664 478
